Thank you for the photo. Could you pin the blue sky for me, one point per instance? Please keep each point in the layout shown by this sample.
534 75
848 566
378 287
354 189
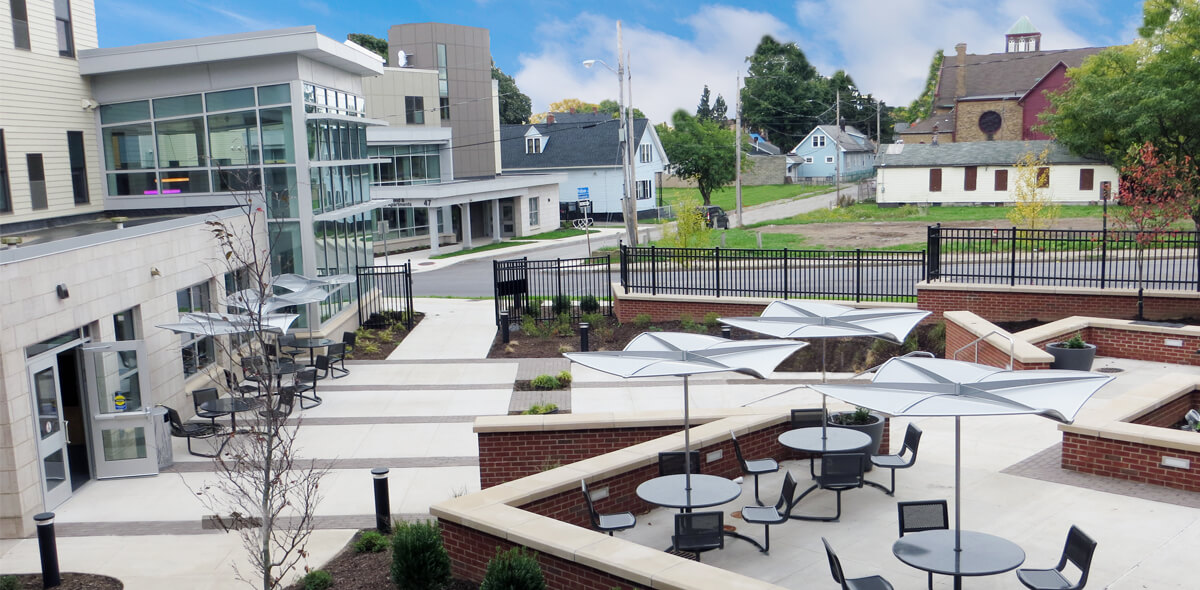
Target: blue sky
676 47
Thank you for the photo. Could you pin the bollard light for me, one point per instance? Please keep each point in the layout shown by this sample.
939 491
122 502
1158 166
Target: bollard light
48 549
504 326
383 504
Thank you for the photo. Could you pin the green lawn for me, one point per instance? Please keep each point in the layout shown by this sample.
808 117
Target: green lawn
484 248
871 212
743 239
558 233
751 195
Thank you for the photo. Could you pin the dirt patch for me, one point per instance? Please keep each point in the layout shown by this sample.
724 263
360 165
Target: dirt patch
880 234
69 582
367 571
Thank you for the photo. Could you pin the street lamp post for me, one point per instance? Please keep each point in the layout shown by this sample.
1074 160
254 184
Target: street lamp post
628 206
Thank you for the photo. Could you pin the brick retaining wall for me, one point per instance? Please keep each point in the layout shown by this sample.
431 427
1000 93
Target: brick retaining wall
1129 460
505 456
1009 305
664 309
1170 413
1136 344
958 337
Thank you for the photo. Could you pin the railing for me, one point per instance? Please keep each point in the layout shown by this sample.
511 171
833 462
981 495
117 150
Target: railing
545 289
1080 258
857 275
385 295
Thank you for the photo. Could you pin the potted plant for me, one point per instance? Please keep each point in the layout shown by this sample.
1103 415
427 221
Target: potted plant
1074 354
865 421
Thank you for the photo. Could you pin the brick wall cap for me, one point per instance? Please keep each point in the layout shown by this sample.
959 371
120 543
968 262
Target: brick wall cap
688 575
606 420
1023 351
1110 421
620 294
637 563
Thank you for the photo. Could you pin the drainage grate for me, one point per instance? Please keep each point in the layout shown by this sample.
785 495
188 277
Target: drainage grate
1109 370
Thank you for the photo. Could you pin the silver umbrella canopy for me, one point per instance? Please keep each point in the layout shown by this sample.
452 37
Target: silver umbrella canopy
917 386
218 324
681 354
295 282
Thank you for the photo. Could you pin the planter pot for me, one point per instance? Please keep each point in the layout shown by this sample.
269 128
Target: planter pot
873 430
1076 359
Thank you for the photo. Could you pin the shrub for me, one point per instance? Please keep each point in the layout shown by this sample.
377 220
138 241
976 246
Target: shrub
589 304
564 377
1075 341
561 305
537 409
545 382
370 542
513 570
689 324
317 580
642 321
710 320
9 583
419 561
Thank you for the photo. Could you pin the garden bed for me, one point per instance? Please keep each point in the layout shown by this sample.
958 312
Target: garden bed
375 344
366 571
69 582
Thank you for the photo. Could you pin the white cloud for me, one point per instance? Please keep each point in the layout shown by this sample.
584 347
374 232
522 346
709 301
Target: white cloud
669 72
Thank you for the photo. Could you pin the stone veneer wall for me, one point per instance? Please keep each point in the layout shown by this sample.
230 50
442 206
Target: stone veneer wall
967 120
1002 303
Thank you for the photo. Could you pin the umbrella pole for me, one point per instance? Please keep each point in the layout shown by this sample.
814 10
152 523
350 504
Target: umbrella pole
687 440
958 483
823 360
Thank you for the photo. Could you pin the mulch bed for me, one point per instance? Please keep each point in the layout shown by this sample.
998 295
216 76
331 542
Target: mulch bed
385 340
70 582
367 571
842 354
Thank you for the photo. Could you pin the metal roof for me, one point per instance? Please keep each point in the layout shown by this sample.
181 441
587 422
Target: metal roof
565 145
973 153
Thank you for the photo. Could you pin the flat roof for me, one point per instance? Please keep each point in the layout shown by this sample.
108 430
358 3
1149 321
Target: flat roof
304 41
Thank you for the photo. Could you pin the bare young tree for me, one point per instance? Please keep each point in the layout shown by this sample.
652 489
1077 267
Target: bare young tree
262 489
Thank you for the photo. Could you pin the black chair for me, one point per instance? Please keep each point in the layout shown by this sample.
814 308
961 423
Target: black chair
336 353
289 340
285 401
924 515
835 568
671 463
349 339
191 430
202 396
322 364
809 418
753 467
306 383
906 458
254 370
234 387
606 522
839 472
1078 550
696 532
769 515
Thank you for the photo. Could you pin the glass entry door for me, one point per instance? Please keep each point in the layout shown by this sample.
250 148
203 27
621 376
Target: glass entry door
52 431
508 225
123 442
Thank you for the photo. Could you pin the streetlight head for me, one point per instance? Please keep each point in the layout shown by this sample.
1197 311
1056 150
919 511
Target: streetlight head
587 63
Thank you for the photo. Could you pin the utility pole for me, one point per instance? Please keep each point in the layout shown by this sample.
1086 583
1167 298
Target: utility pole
628 207
878 130
837 154
737 145
631 146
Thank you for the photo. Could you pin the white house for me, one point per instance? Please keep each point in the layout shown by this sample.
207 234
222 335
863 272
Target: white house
984 172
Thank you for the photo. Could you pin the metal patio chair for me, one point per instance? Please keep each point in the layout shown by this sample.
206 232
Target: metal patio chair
1079 551
202 396
906 458
191 430
696 532
753 467
606 522
671 462
924 515
769 515
835 568
839 472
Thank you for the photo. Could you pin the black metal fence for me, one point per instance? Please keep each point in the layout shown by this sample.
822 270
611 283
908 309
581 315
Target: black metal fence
545 289
385 295
1079 258
858 275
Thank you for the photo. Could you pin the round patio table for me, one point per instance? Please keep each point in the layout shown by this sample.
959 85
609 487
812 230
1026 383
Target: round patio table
232 406
981 554
707 490
836 440
312 344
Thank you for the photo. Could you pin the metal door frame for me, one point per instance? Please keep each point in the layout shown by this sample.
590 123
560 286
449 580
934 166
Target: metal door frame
100 421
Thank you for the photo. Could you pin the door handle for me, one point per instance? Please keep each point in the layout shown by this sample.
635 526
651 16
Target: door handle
67 431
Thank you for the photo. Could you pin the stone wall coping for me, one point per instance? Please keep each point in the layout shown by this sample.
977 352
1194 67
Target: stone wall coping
1023 351
1111 421
496 510
602 420
619 291
1053 290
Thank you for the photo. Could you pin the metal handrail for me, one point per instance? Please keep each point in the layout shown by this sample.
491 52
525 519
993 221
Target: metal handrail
920 353
1012 346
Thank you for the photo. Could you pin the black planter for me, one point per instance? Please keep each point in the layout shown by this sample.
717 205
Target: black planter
873 430
1075 359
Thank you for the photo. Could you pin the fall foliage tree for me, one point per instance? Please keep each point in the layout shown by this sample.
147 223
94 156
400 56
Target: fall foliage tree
1033 203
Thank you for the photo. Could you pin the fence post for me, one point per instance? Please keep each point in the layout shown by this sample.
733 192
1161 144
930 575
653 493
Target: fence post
408 295
48 549
624 261
383 507
717 270
785 274
933 245
653 271
1012 263
857 275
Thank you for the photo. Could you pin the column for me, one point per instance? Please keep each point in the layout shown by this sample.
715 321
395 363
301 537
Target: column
496 237
466 226
434 230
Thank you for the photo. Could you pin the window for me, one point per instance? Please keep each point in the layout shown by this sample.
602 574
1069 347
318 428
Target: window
414 110
533 145
62 19
828 159
444 108
643 190
125 325
1001 180
935 180
534 217
443 77
1043 177
20 24
644 154
1087 179
37 180
818 141
970 174
808 160
5 192
195 350
79 181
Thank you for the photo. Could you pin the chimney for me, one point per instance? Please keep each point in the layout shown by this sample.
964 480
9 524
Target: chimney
595 110
572 110
960 62
549 118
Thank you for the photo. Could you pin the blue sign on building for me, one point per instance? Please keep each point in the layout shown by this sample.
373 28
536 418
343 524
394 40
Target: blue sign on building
582 193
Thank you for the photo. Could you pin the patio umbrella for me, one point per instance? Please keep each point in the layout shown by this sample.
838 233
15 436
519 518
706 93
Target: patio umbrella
295 282
681 354
220 324
816 319
916 386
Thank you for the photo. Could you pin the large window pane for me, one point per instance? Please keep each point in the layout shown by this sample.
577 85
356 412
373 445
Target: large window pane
277 94
233 138
178 105
78 156
237 180
281 192
285 248
278 147
137 183
125 111
229 99
185 181
128 147
181 143
314 184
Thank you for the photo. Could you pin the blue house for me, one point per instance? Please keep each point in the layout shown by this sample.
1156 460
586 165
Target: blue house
814 158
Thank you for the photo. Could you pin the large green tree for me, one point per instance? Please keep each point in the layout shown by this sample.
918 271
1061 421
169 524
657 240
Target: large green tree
1145 92
783 96
613 108
515 106
371 42
710 110
700 150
